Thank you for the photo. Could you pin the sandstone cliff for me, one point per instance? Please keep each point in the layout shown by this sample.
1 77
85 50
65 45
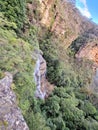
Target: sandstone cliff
61 18
89 51
64 24
65 21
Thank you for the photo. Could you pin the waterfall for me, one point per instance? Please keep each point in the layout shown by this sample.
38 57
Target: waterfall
39 76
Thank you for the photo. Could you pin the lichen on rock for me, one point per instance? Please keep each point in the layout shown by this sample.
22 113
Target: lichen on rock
10 115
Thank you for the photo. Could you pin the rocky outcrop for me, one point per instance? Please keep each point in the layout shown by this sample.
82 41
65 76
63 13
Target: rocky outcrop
44 88
10 115
89 51
66 23
63 19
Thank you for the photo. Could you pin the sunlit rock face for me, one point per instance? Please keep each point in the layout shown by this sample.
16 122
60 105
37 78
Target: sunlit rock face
89 51
64 21
56 15
61 17
10 115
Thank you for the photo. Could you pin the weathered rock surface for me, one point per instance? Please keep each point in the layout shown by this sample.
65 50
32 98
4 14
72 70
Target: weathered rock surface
89 51
44 88
10 115
63 19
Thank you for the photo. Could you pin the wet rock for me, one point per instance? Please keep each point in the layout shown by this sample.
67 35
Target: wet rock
44 88
40 78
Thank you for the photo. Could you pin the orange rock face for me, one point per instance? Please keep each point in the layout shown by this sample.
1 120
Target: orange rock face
60 17
90 52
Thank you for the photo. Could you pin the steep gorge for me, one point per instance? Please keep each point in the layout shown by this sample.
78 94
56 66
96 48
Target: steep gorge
65 22
64 94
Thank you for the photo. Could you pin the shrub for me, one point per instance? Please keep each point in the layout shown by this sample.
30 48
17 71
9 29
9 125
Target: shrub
14 10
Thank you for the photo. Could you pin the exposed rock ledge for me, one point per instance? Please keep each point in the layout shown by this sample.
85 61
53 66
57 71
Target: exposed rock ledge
10 115
89 51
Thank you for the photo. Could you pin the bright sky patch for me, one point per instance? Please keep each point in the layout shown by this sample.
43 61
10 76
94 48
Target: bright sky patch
88 8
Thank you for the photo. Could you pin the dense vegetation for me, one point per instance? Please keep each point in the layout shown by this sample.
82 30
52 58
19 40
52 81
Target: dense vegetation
70 106
14 10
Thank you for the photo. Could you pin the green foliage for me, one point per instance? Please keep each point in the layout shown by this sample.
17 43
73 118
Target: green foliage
14 50
88 108
68 107
36 121
1 74
29 1
90 124
14 10
57 73
84 38
32 36
5 24
16 57
65 112
61 69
